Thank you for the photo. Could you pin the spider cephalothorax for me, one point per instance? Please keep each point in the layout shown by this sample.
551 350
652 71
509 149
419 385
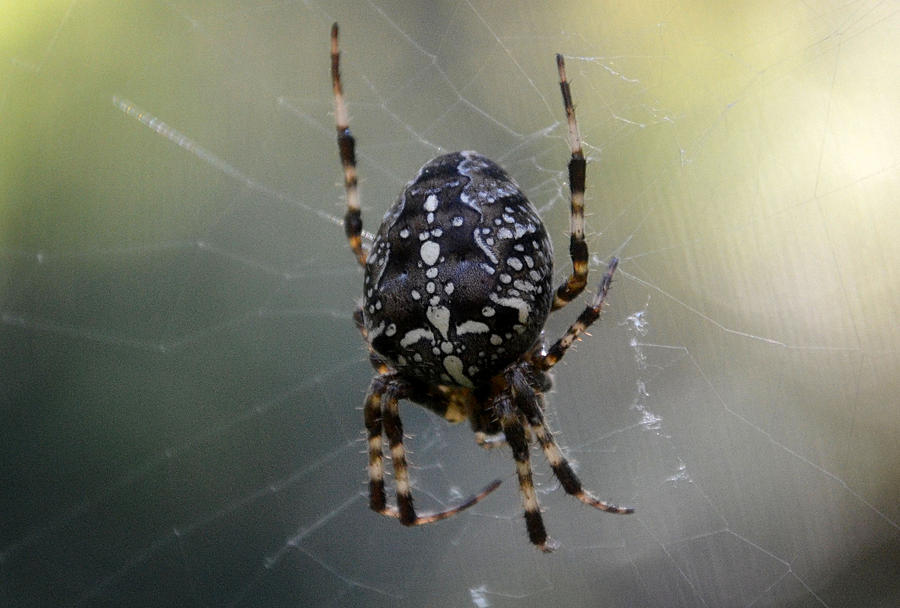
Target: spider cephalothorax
457 290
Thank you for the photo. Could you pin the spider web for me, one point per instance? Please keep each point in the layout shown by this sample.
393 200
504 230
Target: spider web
182 378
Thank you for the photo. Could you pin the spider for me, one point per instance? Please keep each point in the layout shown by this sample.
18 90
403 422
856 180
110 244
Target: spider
456 292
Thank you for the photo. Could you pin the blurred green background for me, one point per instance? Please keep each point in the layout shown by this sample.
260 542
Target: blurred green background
181 378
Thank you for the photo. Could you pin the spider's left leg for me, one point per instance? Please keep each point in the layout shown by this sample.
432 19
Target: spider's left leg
578 250
382 410
530 404
346 147
517 439
545 361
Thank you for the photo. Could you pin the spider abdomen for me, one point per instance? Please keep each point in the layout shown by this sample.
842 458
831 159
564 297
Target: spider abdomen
458 280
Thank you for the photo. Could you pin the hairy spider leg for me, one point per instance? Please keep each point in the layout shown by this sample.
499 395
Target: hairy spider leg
585 319
574 284
346 147
382 411
530 403
514 431
372 413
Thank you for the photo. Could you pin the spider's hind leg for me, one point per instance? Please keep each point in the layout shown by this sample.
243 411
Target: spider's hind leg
382 412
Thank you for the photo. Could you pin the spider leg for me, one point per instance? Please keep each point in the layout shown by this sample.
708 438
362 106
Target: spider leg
372 413
515 434
578 250
590 314
530 404
346 147
382 411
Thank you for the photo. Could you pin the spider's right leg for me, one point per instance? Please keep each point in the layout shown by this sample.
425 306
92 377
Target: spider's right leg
346 147
382 411
590 314
574 284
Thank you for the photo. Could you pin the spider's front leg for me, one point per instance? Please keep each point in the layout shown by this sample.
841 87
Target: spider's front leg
578 251
382 412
